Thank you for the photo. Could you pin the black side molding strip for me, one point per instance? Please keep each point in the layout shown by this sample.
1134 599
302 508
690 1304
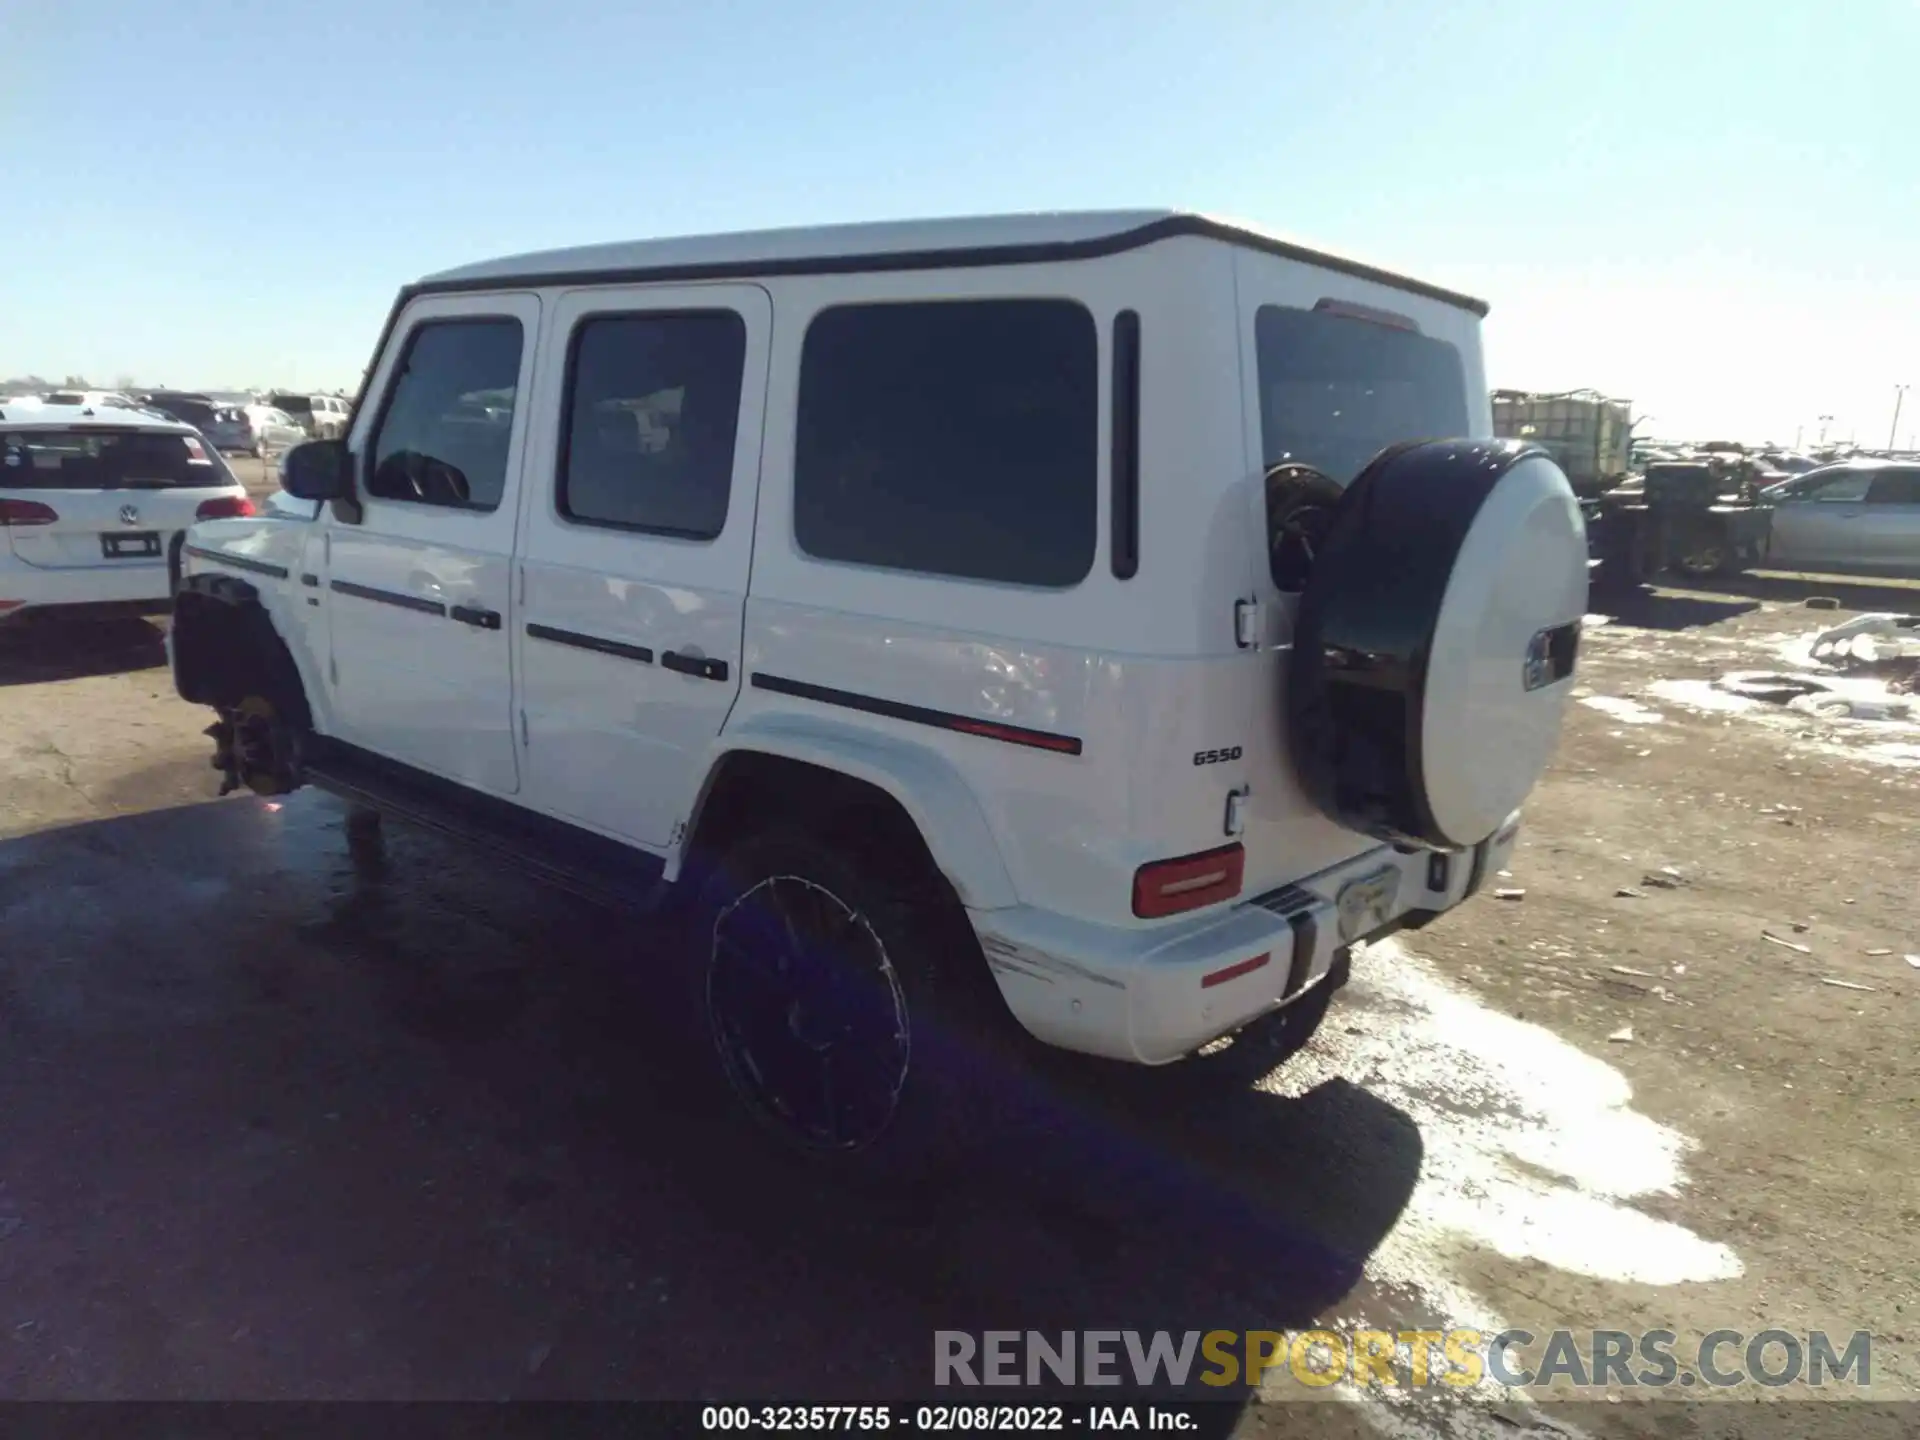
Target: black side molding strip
221 557
919 714
388 597
591 642
311 581
1126 444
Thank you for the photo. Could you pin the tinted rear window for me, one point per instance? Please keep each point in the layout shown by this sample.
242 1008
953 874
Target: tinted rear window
107 460
1335 390
292 404
951 438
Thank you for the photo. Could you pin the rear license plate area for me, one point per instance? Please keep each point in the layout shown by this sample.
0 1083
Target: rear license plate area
141 545
1368 903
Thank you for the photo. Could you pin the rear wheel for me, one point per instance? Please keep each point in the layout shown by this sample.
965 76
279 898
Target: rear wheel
1702 552
832 1002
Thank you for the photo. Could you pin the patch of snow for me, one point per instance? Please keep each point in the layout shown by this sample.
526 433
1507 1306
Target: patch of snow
1632 712
1533 1147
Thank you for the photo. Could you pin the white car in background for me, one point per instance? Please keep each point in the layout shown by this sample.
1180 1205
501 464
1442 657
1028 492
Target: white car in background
95 504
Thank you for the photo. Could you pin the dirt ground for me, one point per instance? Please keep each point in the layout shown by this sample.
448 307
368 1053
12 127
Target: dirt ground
279 1121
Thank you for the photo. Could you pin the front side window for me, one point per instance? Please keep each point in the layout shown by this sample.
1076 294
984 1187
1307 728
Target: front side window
1848 488
952 438
1337 389
449 417
653 407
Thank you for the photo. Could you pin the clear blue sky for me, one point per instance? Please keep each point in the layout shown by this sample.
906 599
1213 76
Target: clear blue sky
1709 207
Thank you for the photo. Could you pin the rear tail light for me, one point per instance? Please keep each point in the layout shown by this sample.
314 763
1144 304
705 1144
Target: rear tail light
25 512
1167 887
224 507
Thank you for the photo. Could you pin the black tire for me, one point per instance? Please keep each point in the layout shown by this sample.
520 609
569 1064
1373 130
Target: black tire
1702 553
838 1006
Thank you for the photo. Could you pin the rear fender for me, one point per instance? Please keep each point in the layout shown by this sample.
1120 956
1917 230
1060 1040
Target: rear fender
924 783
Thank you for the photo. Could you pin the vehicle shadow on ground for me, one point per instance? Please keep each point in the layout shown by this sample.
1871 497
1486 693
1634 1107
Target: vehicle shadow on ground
407 1124
41 650
1665 609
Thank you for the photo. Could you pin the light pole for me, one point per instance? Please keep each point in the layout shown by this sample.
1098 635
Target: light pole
1893 430
1824 420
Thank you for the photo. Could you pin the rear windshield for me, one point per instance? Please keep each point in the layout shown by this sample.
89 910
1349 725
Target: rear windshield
1336 390
292 404
102 459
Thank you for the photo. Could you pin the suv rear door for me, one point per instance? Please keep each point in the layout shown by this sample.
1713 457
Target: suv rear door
420 591
119 496
1335 370
637 539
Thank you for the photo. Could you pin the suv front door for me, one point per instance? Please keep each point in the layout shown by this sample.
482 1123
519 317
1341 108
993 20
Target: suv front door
638 536
420 593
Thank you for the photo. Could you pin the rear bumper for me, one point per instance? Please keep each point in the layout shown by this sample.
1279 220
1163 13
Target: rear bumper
1155 996
133 584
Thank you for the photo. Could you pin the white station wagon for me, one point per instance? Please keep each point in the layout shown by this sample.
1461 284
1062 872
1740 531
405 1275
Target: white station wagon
95 503
1101 620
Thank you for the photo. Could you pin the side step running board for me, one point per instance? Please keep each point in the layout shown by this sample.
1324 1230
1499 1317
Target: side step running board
596 869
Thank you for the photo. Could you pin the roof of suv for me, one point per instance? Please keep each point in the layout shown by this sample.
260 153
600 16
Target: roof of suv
900 245
81 417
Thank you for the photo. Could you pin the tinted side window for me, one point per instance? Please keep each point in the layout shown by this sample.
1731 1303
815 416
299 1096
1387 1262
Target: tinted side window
1336 390
449 415
1846 488
951 438
653 406
1895 487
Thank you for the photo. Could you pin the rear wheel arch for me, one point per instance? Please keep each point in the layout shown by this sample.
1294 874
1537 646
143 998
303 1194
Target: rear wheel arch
868 793
751 791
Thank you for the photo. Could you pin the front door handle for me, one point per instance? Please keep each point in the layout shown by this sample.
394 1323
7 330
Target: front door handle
476 617
695 665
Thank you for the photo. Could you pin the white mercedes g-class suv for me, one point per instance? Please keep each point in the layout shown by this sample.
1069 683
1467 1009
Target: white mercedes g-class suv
1131 608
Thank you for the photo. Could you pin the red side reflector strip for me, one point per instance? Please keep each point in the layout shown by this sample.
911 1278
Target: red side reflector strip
1234 972
1060 744
1167 887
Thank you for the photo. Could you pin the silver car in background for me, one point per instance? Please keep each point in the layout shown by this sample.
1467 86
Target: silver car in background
1856 517
259 430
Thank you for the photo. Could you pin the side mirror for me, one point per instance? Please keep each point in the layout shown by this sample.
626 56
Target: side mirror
317 470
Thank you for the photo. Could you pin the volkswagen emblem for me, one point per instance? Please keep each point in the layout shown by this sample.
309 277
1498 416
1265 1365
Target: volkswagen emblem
129 514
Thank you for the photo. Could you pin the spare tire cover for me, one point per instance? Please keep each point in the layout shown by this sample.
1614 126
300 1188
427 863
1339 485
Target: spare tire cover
1434 644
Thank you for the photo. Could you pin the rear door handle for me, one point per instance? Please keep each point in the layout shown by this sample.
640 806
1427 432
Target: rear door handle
476 617
695 665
